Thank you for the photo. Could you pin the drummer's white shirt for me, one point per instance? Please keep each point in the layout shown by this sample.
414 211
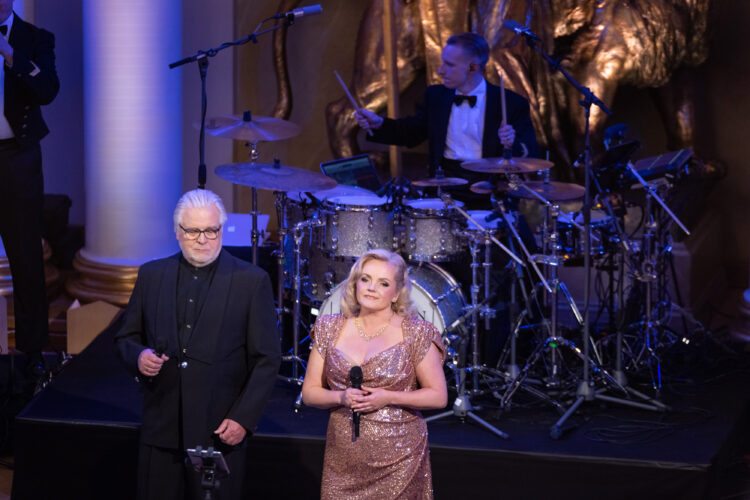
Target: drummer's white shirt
466 127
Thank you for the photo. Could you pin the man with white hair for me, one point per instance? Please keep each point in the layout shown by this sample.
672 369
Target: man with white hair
200 332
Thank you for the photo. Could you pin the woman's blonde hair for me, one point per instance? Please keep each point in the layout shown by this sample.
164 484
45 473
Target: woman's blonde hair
402 305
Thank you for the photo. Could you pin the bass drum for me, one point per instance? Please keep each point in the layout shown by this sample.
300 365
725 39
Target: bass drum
435 296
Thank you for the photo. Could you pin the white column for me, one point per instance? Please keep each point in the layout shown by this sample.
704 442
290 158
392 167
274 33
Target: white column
132 128
132 142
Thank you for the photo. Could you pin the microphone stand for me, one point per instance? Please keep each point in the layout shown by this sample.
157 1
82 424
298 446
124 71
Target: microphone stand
201 57
586 390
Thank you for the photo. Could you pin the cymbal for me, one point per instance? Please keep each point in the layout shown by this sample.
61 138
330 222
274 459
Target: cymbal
440 182
482 187
275 177
251 128
506 166
553 191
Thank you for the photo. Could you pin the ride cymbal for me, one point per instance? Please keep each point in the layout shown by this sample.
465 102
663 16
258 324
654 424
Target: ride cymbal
274 176
506 165
251 128
552 191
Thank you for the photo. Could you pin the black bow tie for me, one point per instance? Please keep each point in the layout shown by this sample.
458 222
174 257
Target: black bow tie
458 99
4 29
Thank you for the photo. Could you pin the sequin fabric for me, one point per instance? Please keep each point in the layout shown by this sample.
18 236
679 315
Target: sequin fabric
390 459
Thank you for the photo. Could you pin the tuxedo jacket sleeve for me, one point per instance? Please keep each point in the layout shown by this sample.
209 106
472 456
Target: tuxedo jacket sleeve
430 122
231 359
31 82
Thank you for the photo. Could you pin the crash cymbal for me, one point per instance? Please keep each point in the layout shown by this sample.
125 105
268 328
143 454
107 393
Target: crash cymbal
482 187
553 191
275 177
506 166
440 182
251 128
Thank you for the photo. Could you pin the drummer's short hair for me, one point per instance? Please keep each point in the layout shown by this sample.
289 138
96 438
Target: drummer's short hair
474 45
198 198
402 305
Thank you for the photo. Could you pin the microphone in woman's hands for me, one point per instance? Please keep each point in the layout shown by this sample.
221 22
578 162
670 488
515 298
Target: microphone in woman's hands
355 376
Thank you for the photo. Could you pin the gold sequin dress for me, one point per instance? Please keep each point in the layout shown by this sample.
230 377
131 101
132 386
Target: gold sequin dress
390 459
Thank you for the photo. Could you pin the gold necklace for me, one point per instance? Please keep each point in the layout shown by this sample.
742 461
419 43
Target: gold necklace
370 337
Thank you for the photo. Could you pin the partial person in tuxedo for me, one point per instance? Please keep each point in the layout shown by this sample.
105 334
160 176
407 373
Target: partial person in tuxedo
462 120
28 81
200 333
462 117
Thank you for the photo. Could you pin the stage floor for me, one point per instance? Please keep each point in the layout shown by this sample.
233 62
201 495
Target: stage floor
78 439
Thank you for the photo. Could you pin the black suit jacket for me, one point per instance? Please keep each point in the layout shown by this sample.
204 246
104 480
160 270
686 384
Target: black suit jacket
432 117
232 356
31 82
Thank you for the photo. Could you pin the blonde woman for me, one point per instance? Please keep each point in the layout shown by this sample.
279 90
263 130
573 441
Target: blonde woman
401 357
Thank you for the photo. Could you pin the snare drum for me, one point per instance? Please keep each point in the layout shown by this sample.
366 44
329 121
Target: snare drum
430 230
356 224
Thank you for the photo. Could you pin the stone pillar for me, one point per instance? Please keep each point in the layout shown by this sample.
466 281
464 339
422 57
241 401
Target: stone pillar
132 141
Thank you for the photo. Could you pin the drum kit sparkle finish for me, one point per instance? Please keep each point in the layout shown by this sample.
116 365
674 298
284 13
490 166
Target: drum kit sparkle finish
324 228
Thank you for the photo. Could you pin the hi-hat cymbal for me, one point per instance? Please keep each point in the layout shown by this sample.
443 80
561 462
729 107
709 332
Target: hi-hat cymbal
440 182
552 191
506 165
276 177
251 128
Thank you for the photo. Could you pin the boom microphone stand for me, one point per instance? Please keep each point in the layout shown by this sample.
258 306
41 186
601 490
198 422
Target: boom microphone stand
586 390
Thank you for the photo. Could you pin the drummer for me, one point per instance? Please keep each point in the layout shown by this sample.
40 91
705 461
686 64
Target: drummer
462 118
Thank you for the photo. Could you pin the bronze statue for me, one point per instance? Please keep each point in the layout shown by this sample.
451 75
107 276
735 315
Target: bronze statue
602 43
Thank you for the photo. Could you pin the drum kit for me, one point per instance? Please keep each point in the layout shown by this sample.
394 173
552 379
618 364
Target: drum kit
324 227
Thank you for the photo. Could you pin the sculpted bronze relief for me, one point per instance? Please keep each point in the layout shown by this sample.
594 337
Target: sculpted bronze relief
602 43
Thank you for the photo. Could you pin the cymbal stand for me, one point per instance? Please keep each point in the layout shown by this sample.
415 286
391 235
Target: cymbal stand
281 203
462 405
254 233
552 260
648 275
298 232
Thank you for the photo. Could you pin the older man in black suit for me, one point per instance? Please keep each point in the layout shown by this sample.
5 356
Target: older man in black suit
28 81
200 331
462 118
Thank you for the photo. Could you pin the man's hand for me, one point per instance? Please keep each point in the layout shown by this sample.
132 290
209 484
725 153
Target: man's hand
149 363
230 432
368 120
6 51
507 135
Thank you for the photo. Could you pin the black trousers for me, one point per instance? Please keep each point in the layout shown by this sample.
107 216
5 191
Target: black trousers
21 207
163 474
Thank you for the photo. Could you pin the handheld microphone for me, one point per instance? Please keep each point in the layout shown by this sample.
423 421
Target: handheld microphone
310 10
520 29
355 376
161 346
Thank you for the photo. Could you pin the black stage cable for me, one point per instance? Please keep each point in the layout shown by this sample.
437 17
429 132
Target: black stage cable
639 431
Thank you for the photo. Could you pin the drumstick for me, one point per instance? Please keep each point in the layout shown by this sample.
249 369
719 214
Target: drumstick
348 94
502 100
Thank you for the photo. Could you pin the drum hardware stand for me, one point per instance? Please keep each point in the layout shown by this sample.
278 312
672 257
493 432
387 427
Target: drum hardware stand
648 276
586 390
553 340
462 406
297 378
281 200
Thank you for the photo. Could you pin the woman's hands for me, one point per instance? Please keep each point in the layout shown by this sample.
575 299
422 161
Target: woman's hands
367 400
